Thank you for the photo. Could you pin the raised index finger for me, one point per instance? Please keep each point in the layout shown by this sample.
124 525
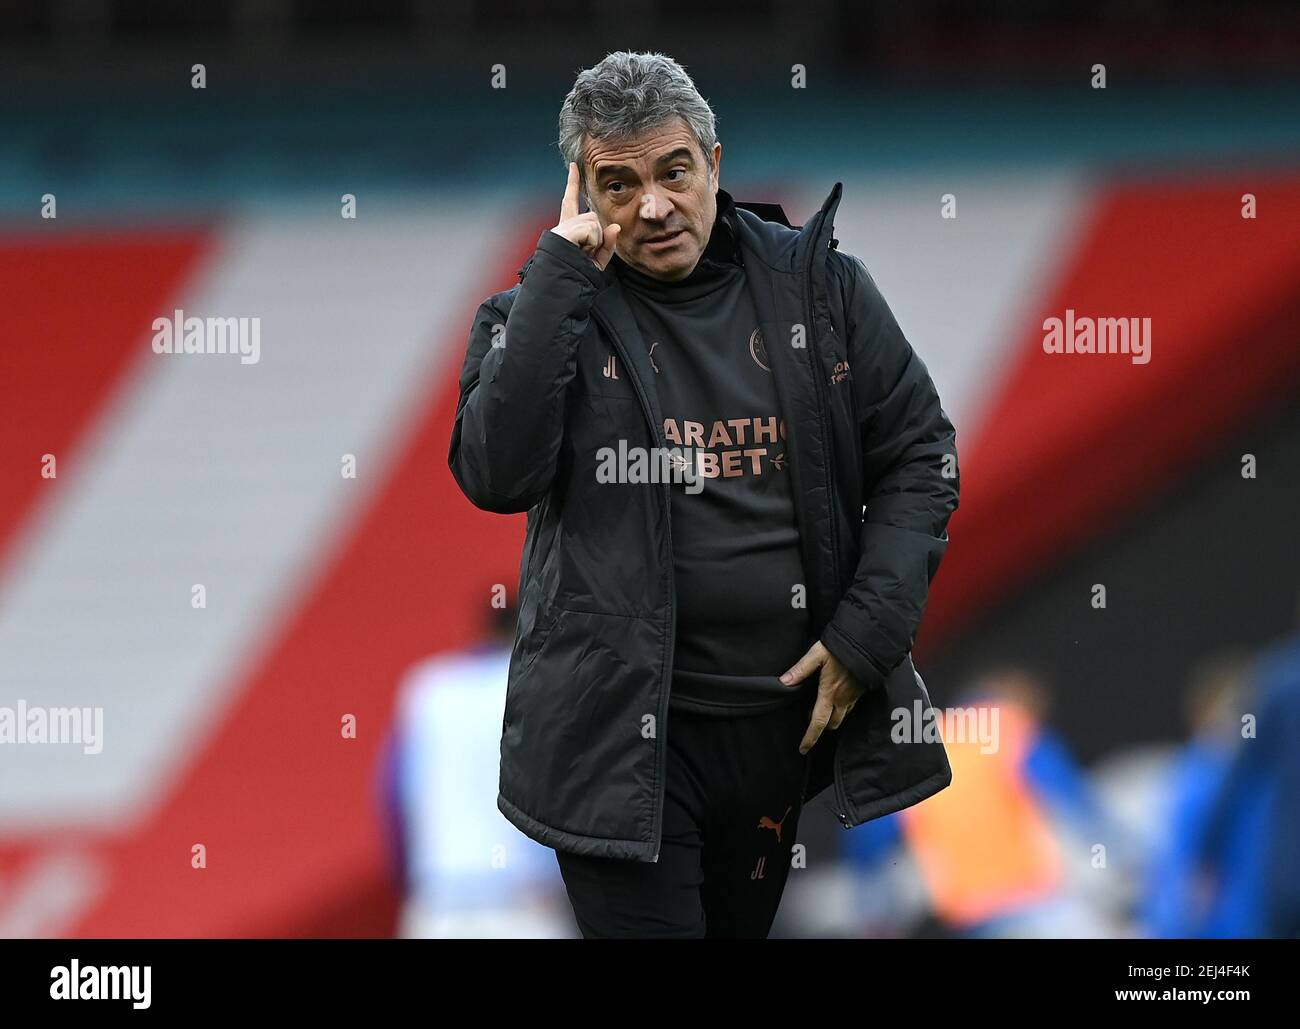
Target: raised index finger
569 206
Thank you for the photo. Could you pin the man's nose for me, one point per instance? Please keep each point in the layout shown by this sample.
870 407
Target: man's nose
655 207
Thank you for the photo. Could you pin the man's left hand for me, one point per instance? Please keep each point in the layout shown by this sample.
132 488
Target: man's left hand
837 691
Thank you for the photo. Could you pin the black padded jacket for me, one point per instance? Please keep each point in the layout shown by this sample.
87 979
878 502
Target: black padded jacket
875 476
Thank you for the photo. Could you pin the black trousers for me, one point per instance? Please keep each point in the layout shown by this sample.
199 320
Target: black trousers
731 809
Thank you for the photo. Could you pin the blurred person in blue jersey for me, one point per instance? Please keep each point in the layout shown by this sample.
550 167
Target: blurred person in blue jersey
1198 883
1273 755
1011 849
466 871
1243 851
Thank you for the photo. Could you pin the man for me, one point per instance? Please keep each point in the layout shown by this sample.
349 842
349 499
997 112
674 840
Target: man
764 610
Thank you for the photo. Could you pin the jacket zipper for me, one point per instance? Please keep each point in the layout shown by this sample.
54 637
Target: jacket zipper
821 407
841 799
661 721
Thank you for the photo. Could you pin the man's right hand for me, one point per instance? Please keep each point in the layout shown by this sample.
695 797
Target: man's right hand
584 230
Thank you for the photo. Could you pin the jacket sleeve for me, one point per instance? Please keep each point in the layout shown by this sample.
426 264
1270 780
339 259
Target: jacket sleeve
910 486
510 415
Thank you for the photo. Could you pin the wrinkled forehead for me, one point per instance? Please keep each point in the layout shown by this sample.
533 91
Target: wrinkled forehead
646 147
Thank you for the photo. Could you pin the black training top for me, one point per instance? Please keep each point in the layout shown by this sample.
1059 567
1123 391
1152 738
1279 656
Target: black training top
741 617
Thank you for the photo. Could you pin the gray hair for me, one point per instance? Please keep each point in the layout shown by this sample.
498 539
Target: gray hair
626 94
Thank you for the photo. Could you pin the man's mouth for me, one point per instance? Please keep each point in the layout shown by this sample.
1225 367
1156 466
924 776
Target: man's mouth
666 240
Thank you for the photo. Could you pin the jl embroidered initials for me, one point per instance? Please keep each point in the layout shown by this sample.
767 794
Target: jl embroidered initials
610 371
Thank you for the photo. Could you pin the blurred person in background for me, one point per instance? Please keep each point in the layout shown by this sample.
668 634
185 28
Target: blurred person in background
1249 851
465 870
1007 849
1187 891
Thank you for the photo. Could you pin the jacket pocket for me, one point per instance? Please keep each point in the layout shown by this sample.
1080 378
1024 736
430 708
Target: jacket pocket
580 747
537 641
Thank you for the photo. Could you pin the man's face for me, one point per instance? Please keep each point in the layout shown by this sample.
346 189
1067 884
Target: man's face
653 186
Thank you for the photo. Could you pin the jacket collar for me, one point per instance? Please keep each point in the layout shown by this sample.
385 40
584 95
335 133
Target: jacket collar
785 250
768 212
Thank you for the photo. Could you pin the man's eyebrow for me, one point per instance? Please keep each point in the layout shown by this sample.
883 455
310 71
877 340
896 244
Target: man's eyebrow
668 158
